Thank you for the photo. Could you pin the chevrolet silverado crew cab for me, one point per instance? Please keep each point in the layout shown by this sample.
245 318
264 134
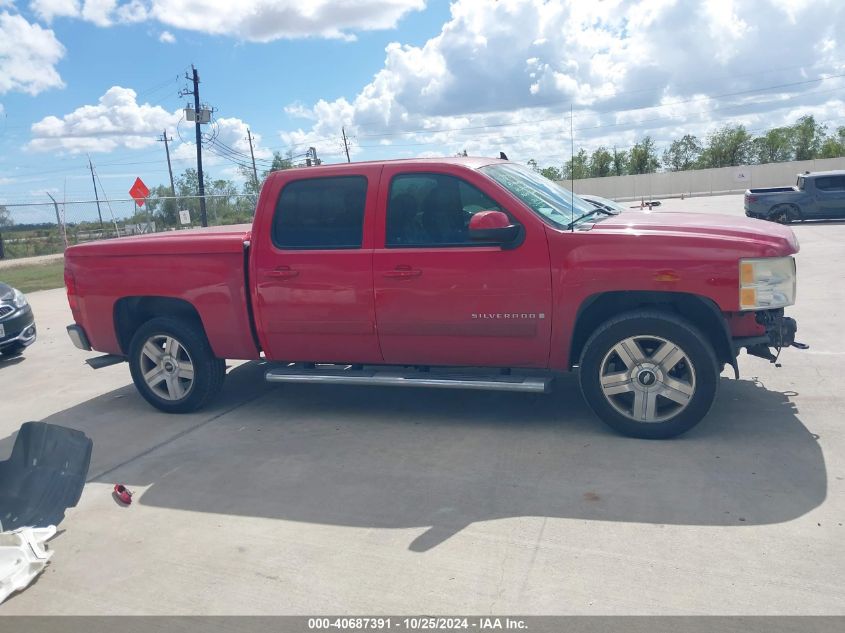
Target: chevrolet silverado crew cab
818 195
458 273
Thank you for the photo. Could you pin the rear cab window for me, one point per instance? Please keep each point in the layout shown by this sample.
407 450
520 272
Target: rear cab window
320 213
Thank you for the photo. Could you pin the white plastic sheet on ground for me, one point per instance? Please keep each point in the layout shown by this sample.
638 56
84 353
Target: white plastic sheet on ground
23 555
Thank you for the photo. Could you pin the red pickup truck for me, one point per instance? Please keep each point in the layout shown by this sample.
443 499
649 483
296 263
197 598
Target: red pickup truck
457 273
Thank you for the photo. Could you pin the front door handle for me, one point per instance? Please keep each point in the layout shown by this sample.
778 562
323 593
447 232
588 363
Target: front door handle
403 272
282 272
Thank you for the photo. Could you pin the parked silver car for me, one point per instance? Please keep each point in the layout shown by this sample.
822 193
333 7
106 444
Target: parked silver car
17 322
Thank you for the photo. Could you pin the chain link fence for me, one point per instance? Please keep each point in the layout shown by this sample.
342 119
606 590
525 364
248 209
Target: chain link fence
44 228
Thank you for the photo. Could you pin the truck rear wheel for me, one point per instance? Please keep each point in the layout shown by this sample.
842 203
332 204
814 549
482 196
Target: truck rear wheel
649 374
173 367
783 213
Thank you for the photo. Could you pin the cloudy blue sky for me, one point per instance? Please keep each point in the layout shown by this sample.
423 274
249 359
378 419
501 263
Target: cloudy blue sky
405 77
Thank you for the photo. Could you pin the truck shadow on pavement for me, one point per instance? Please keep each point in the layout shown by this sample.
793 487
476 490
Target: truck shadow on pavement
404 458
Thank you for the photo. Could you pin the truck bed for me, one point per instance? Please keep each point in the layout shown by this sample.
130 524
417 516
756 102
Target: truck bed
210 274
773 190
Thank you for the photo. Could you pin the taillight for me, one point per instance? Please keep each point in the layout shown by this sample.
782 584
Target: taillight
751 198
70 285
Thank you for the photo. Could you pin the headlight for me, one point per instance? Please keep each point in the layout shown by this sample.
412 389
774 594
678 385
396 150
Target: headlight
766 283
18 300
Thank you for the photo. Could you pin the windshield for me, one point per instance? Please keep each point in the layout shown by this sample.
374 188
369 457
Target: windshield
543 196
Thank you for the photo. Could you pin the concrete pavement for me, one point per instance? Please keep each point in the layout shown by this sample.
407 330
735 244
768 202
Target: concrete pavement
316 499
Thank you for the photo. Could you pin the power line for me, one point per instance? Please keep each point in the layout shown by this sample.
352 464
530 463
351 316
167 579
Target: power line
238 153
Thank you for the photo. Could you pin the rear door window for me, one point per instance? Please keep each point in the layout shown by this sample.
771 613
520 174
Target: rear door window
829 183
321 213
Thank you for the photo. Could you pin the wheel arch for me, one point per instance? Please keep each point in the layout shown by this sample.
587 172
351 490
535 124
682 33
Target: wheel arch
130 313
796 212
700 311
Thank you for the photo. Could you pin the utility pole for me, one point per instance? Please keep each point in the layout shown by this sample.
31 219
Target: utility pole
169 168
345 144
252 154
195 79
96 197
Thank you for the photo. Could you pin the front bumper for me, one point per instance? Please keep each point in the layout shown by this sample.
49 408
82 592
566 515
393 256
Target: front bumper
779 332
18 329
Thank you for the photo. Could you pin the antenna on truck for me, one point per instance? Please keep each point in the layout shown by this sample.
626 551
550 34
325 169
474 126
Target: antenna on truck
571 171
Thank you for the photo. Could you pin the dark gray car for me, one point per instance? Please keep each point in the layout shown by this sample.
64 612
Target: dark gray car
816 196
17 323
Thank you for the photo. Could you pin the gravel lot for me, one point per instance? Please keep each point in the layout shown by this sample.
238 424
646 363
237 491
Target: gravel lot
318 499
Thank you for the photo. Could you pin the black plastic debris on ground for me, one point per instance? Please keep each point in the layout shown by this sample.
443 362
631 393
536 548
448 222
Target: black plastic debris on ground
44 476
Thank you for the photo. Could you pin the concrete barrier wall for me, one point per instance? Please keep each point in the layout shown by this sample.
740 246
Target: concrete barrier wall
702 181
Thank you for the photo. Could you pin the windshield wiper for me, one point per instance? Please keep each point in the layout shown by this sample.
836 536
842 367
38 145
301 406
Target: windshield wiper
588 214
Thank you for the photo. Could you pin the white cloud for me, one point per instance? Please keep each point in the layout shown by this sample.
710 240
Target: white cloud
99 11
253 20
49 9
525 61
167 37
28 56
117 120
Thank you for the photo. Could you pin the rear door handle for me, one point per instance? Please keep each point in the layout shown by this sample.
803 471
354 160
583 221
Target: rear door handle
403 272
282 272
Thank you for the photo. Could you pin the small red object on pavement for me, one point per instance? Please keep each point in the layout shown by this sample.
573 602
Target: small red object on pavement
123 494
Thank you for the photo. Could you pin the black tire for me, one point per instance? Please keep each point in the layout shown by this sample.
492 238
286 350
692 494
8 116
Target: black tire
208 371
784 213
12 351
697 372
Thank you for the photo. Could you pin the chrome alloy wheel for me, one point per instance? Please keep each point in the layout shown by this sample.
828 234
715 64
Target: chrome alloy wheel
647 378
167 367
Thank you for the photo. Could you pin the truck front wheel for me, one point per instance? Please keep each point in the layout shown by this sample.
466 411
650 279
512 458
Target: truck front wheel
173 367
649 374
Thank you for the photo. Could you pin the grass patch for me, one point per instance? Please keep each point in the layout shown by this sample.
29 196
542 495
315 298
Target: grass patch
32 277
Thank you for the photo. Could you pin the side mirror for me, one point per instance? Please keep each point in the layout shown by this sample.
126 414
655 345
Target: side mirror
493 226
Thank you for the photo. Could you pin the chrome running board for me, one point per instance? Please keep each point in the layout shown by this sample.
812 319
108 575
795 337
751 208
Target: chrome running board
401 377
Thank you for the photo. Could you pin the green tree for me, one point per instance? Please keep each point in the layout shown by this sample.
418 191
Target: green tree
251 186
187 188
221 202
807 138
163 207
5 217
280 162
682 153
729 145
577 167
775 146
834 145
601 163
619 162
552 173
643 157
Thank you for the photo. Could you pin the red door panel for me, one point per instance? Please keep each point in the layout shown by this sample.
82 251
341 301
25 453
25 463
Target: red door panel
463 305
315 305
